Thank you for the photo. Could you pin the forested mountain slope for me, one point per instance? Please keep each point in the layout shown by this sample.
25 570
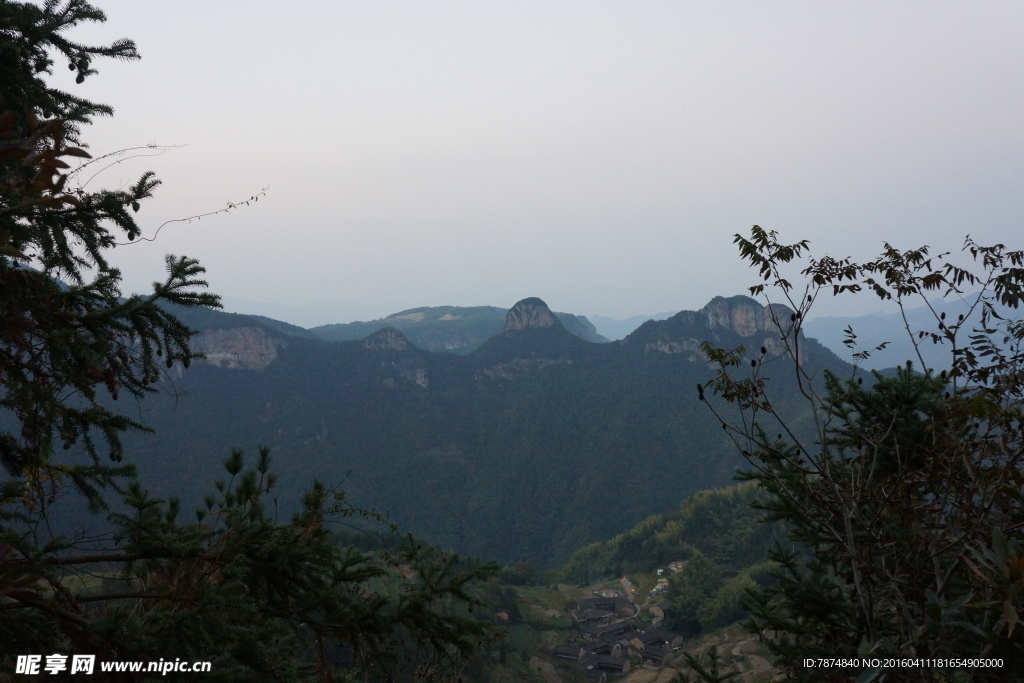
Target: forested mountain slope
535 444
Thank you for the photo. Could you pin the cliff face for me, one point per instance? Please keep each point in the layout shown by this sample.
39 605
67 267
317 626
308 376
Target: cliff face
744 316
756 325
748 318
534 338
239 347
531 313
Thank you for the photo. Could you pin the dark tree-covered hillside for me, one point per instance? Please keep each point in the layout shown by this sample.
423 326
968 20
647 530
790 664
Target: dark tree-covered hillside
907 495
91 562
528 448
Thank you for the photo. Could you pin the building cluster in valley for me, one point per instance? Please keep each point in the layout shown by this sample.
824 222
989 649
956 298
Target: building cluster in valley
611 639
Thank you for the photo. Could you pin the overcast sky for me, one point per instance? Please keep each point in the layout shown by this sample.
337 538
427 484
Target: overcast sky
598 155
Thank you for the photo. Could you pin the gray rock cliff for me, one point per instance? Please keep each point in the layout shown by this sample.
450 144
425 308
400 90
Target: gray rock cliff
238 347
530 313
756 324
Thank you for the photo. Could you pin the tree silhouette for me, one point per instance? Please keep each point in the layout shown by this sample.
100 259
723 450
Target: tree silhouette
260 597
904 493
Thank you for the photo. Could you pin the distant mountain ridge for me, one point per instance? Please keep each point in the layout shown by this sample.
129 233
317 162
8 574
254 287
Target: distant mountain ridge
876 328
532 445
616 329
460 329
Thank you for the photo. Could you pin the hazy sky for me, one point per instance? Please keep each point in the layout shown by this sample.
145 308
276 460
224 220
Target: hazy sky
598 155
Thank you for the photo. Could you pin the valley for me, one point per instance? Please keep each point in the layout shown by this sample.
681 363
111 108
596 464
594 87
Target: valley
533 445
744 491
566 633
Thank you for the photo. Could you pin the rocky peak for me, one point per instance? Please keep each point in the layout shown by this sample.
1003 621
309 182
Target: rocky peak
758 326
388 338
529 313
745 316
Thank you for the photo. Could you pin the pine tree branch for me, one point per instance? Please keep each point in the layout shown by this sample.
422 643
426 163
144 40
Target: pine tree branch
103 597
27 598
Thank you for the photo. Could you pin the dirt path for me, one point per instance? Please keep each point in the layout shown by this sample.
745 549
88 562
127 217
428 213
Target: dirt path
629 589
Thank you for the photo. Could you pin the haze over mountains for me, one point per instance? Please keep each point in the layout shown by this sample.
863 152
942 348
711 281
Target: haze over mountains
890 328
463 328
448 328
531 445
616 329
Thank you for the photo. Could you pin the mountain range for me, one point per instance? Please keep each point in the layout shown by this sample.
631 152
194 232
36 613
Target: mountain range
448 328
535 443
461 329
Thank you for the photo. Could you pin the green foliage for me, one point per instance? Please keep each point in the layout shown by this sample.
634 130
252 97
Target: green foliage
260 598
690 590
33 37
718 524
519 574
707 668
726 605
263 599
65 330
725 546
906 500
